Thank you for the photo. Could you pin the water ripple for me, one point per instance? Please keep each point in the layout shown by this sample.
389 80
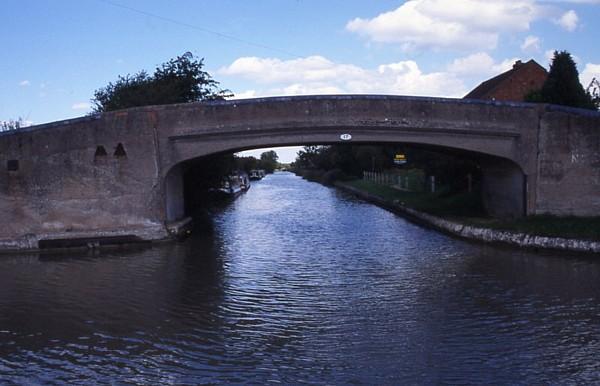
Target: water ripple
299 283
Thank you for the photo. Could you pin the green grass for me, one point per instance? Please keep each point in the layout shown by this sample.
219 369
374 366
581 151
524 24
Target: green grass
467 209
586 228
415 179
439 203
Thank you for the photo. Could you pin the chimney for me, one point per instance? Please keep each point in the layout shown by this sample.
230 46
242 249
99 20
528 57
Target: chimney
517 64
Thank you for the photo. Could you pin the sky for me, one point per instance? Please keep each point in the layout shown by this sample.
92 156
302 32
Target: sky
56 53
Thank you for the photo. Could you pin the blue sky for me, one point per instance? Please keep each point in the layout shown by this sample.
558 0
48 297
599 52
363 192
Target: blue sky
56 53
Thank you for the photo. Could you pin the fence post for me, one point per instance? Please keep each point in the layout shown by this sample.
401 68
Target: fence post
469 182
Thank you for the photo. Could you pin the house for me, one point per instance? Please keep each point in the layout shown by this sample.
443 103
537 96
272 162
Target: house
512 85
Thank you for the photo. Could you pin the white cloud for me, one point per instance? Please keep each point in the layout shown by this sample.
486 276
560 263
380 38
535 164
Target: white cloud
270 70
442 24
531 44
245 95
81 106
479 65
568 21
25 83
318 75
549 55
573 1
590 72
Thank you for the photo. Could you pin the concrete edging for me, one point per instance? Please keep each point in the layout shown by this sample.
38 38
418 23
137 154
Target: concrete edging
151 232
517 239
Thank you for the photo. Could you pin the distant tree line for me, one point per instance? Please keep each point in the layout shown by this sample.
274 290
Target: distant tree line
450 169
269 161
208 172
205 173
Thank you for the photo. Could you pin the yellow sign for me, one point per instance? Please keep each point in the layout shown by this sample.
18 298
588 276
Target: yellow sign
400 159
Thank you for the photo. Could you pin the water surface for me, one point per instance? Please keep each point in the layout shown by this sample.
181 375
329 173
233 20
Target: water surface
294 283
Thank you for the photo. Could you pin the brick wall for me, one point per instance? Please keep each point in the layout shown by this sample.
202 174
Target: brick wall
527 77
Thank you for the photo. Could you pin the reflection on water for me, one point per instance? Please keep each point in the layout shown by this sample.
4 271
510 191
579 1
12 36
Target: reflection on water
296 282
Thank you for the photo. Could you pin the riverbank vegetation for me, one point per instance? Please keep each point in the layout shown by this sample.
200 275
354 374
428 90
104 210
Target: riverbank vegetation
465 208
441 203
584 228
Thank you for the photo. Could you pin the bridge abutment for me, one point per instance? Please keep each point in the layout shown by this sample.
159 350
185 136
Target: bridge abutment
174 194
503 188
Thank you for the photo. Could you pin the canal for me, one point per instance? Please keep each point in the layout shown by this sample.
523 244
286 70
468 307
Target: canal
295 283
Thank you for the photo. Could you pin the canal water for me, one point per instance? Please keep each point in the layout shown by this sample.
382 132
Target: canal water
298 283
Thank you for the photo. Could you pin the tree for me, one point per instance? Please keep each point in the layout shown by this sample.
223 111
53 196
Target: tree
179 80
306 158
593 90
11 124
246 164
268 161
562 86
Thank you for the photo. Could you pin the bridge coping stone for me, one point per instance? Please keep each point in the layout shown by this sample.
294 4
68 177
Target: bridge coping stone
340 97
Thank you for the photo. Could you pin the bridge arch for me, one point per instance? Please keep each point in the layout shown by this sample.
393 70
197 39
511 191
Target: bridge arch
504 182
496 133
194 130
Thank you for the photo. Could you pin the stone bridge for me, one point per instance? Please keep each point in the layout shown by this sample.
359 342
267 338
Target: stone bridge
120 173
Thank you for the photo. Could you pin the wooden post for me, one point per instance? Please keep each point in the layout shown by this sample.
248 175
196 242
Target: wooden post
469 183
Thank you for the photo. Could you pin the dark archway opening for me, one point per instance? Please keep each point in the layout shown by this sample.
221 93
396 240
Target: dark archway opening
188 185
477 184
201 178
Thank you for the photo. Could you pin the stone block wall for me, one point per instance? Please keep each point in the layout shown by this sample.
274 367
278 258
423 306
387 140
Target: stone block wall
83 176
568 163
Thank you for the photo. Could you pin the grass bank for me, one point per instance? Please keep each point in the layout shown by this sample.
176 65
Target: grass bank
582 228
438 204
466 209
